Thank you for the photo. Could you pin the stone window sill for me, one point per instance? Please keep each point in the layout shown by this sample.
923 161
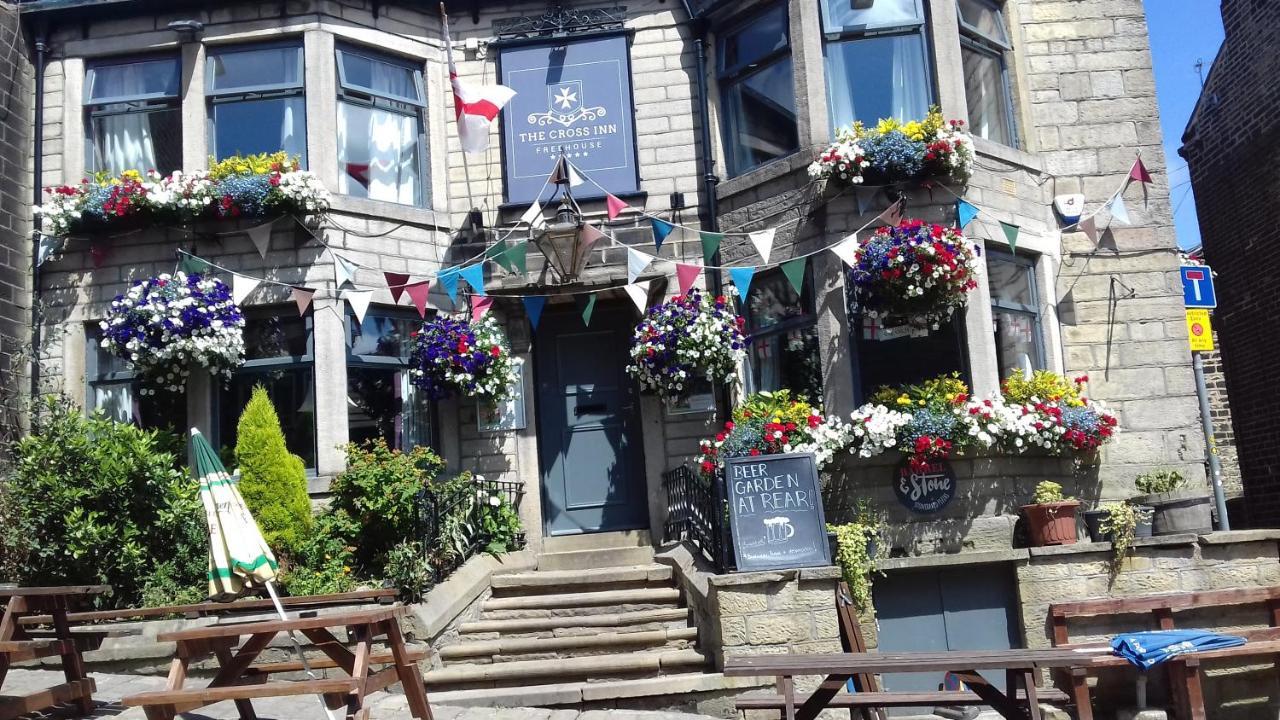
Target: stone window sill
1004 153
393 212
769 171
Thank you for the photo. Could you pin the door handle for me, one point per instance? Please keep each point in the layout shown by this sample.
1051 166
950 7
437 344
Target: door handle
581 410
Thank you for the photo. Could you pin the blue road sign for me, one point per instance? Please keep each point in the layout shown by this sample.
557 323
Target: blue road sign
1197 287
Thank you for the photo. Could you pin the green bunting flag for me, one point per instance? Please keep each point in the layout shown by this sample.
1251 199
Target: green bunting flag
710 244
1010 234
589 309
518 256
498 254
794 270
192 264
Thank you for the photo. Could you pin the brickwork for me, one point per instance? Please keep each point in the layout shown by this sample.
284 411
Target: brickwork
1231 148
1224 434
15 224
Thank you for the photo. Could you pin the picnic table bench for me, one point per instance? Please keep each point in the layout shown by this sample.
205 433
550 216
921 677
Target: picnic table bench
1158 612
18 643
1020 700
240 680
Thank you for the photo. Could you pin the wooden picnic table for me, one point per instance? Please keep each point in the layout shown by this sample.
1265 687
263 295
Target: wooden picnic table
19 643
240 680
1020 668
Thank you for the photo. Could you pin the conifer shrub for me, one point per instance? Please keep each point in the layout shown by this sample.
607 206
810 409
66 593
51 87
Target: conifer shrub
273 481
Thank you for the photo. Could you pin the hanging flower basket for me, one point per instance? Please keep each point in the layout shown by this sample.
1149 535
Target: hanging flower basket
167 325
914 274
688 338
895 152
460 357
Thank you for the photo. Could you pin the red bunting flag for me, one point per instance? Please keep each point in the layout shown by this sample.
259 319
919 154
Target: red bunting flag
1139 171
418 293
686 275
615 206
302 296
480 305
396 283
1089 227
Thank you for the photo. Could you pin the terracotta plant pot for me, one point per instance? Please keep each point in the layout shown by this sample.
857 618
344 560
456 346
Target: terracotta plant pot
1052 523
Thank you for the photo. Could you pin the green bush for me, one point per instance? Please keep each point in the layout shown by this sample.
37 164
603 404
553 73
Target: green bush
499 524
96 501
1160 481
409 569
272 480
324 562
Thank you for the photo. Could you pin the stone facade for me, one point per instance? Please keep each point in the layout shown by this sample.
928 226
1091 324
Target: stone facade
15 219
1229 145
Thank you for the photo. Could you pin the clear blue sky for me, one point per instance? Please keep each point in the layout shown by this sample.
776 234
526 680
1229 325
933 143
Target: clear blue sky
1182 31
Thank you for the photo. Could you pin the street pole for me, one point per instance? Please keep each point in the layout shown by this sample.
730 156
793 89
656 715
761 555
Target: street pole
1206 423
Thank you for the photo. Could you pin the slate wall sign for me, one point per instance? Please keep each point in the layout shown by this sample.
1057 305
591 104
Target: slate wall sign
775 512
925 489
573 96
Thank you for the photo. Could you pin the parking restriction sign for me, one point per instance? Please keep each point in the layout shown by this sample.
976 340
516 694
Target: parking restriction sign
1199 331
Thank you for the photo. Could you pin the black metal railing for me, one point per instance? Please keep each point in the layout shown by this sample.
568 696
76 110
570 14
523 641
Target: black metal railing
449 519
697 513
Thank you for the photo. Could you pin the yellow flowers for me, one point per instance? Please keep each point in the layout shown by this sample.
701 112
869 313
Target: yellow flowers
259 164
904 400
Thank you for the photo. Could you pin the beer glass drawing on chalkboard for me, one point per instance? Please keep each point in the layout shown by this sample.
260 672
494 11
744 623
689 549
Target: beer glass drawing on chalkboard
775 512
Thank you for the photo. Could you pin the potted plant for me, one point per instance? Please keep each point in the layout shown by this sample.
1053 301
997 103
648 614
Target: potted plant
1097 524
856 545
1177 509
1120 524
1051 518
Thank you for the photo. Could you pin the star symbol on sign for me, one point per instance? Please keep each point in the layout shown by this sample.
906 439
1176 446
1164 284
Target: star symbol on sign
566 97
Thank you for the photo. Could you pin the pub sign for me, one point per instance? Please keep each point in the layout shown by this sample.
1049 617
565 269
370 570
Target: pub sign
924 487
572 96
775 512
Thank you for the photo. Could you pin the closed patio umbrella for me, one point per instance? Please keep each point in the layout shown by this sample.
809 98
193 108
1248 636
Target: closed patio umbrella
1146 649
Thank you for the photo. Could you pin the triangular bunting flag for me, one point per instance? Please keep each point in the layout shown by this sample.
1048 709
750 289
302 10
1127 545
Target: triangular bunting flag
261 237
498 253
241 286
302 296
589 235
710 244
847 249
965 213
533 305
636 264
794 270
892 215
359 302
1089 226
1139 171
533 216
589 309
98 253
47 246
344 271
449 279
763 241
418 293
1119 211
575 177
480 306
518 256
742 280
396 283
474 275
863 197
639 294
661 229
1010 234
686 275
560 172
191 264
615 206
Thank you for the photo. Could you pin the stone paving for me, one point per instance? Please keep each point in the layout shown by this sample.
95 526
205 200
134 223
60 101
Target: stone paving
384 706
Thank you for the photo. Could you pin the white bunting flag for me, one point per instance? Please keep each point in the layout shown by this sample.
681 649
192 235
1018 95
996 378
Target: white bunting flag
847 249
1119 211
636 264
344 271
241 286
261 237
639 294
533 216
763 241
359 302
48 244
575 178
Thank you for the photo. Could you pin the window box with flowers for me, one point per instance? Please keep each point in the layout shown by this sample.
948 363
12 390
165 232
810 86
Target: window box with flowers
933 149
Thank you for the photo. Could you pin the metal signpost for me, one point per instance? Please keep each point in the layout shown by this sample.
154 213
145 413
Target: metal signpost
1198 296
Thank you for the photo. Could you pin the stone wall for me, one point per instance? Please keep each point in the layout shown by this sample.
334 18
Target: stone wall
1224 434
15 225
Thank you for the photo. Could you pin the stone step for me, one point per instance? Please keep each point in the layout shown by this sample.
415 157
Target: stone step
596 693
596 667
506 649
595 558
634 596
551 581
602 620
596 541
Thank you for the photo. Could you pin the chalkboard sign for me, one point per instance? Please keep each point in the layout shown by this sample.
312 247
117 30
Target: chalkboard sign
926 487
775 512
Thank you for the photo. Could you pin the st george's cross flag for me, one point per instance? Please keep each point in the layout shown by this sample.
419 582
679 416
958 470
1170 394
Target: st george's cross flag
476 107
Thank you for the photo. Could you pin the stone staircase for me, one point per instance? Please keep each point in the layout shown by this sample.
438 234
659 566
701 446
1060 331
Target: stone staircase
591 627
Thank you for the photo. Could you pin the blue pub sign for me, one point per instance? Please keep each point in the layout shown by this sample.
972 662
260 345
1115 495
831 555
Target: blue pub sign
572 96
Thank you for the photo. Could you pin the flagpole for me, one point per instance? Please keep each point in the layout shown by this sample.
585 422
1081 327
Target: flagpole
466 164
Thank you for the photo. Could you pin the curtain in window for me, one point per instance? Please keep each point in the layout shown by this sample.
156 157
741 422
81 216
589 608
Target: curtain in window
293 128
877 77
124 141
984 89
378 151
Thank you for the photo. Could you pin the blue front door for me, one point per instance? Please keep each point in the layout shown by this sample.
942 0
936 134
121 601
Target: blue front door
588 424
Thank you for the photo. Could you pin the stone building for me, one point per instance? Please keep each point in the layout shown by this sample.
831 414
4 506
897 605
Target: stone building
710 114
1228 147
15 220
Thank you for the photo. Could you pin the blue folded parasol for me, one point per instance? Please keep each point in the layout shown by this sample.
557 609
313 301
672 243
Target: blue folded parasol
1146 649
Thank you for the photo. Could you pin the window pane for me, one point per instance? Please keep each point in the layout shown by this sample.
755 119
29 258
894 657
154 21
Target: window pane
788 360
842 15
907 360
261 126
231 70
773 301
1010 282
756 40
374 404
987 96
984 18
292 391
142 141
761 115
113 399
1017 346
381 335
877 77
275 337
378 154
146 78
378 76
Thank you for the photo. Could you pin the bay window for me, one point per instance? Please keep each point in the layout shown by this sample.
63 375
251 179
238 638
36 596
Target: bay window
1015 312
783 337
876 60
132 118
757 91
381 147
983 45
113 387
257 101
382 402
